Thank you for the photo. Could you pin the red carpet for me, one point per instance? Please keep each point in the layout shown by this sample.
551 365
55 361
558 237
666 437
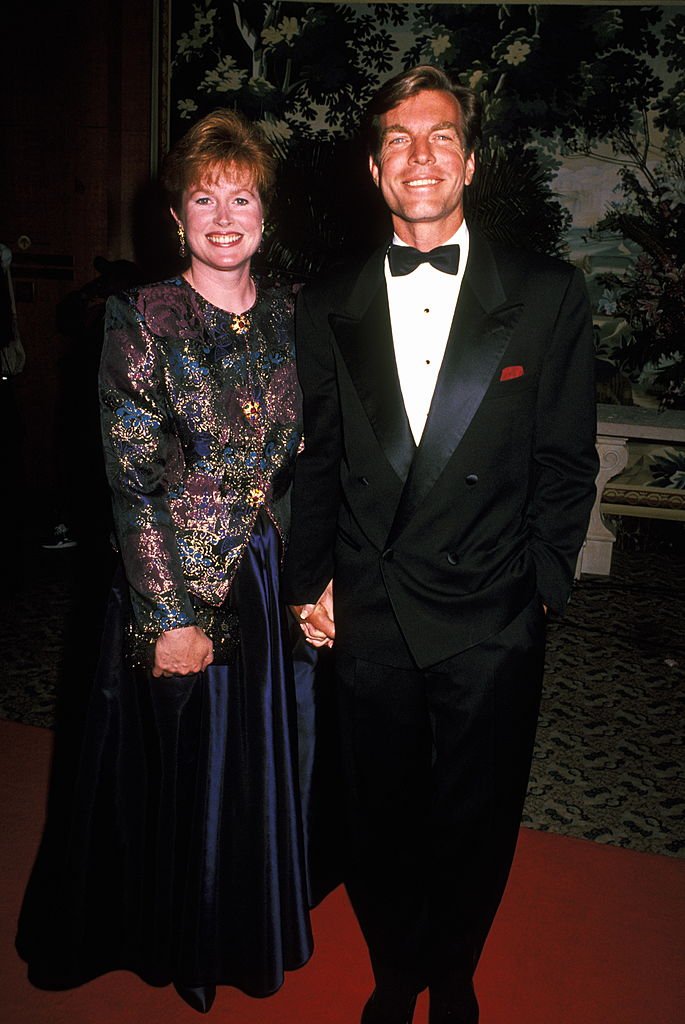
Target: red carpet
587 934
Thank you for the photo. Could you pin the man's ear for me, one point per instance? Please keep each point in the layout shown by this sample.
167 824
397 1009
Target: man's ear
375 171
470 169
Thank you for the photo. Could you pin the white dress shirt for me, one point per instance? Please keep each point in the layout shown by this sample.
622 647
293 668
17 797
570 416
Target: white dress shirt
422 306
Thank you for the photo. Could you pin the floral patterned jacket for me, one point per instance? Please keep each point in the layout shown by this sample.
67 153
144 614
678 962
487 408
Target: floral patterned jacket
201 425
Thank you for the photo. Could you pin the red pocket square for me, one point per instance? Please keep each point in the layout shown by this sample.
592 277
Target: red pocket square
511 372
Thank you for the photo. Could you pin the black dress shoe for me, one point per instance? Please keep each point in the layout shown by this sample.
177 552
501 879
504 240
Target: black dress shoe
458 1005
388 1009
200 999
448 1015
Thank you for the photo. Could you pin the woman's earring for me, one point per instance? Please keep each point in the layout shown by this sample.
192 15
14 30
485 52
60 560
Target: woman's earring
181 239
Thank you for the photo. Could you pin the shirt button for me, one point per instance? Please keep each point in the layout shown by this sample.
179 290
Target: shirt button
471 479
452 557
388 555
363 481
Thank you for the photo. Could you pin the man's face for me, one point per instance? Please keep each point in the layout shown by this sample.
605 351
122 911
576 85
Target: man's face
422 168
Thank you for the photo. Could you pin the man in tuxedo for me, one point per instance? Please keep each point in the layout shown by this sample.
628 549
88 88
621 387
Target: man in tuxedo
444 488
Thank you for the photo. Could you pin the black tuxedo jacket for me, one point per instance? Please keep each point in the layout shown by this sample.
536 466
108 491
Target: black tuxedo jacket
434 548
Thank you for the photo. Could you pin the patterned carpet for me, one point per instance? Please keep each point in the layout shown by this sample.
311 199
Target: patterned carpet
609 762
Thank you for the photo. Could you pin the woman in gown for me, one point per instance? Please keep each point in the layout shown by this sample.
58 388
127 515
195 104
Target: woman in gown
181 854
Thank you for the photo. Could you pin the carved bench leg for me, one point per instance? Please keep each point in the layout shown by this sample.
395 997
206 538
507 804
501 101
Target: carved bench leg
595 555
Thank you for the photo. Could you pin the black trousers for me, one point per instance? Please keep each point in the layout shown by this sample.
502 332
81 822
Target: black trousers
436 766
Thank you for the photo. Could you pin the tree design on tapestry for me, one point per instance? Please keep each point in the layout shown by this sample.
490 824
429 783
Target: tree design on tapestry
557 81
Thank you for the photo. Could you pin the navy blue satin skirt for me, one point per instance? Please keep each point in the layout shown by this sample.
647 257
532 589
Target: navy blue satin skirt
180 851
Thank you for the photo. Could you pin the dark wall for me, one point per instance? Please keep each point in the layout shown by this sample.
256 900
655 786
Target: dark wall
75 125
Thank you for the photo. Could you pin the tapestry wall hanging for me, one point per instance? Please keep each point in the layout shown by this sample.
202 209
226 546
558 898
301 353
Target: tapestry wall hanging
582 153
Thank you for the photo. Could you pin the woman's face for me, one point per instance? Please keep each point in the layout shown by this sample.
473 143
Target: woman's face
223 221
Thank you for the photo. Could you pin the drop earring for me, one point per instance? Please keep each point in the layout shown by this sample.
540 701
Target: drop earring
181 239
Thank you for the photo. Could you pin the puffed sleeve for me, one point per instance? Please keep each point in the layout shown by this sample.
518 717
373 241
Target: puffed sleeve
141 453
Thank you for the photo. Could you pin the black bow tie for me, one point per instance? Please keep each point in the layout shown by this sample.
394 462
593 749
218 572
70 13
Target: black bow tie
403 259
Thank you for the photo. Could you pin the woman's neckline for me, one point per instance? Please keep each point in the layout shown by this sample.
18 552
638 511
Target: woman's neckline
222 309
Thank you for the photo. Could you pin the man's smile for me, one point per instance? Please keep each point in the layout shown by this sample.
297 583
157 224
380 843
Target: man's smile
421 182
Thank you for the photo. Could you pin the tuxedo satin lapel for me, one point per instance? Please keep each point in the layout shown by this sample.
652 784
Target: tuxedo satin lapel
367 348
477 342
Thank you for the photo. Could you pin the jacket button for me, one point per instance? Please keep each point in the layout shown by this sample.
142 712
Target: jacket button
364 481
453 557
388 555
471 479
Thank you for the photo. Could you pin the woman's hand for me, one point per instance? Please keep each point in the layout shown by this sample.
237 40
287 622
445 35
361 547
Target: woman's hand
317 621
182 652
